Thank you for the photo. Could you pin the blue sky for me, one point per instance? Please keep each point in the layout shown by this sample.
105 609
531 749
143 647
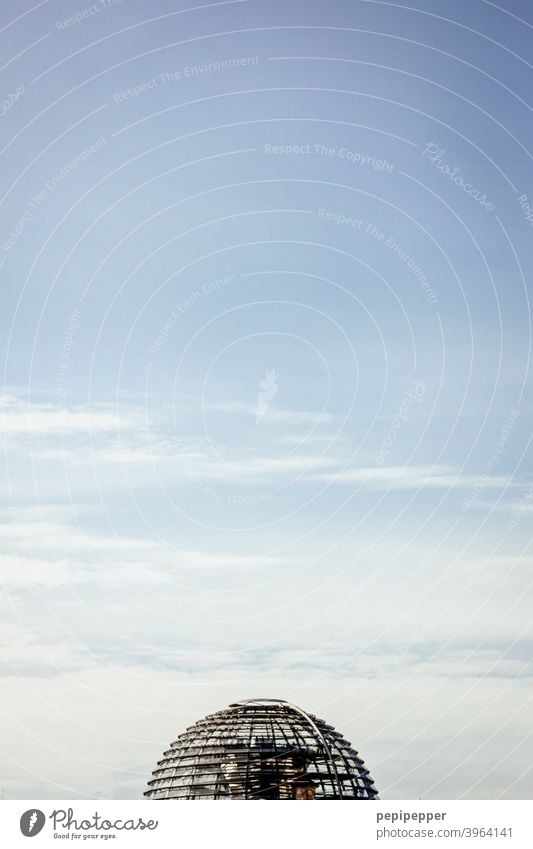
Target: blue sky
266 414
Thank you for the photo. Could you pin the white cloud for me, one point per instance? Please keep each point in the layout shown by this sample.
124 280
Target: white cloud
305 438
39 554
27 418
186 464
272 415
411 477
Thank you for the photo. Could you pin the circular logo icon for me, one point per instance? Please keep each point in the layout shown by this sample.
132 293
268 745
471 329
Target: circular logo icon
32 822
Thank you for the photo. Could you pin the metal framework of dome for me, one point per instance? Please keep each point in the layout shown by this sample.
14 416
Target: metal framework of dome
261 749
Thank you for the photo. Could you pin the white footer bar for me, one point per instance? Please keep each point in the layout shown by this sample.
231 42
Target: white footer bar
241 825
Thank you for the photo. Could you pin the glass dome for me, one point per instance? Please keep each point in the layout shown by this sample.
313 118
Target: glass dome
261 749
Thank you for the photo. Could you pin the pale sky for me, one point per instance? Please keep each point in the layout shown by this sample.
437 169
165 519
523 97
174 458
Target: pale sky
266 402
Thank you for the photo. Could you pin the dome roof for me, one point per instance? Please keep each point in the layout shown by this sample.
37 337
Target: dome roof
261 749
